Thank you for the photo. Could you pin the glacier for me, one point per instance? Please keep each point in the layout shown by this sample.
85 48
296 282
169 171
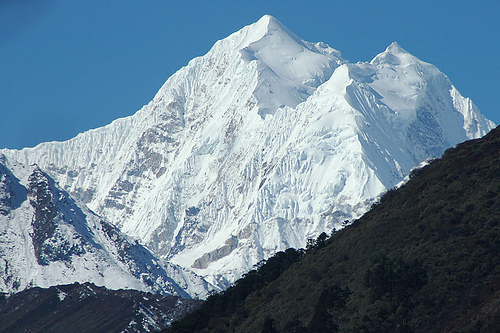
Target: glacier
262 143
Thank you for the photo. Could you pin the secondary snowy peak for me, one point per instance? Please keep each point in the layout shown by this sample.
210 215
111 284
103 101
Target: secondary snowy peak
420 95
394 55
394 47
265 141
48 239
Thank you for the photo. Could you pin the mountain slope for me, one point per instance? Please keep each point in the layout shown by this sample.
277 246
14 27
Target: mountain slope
424 259
87 308
47 239
262 143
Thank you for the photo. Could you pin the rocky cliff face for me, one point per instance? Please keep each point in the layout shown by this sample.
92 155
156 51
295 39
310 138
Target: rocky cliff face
262 143
48 245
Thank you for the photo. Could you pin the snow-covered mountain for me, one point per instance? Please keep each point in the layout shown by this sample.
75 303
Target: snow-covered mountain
262 143
47 239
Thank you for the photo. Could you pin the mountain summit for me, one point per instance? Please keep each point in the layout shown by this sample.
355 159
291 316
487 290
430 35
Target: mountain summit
262 143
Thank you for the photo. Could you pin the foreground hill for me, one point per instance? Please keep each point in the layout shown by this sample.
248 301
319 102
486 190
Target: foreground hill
424 259
88 308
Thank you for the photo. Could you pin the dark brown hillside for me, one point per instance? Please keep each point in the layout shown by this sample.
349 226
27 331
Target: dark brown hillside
88 308
425 259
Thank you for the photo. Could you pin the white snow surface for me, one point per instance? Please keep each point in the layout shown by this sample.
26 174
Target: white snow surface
262 143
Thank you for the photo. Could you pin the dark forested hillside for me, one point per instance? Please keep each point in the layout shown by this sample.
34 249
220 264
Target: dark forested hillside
88 308
426 258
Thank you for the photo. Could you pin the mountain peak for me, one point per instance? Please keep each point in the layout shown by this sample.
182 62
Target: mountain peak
267 25
394 47
289 68
394 55
268 20
272 24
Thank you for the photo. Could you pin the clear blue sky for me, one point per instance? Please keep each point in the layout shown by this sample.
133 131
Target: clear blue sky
67 66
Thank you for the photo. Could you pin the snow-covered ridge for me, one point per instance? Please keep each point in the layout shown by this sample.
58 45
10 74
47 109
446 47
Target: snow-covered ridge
263 142
46 239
